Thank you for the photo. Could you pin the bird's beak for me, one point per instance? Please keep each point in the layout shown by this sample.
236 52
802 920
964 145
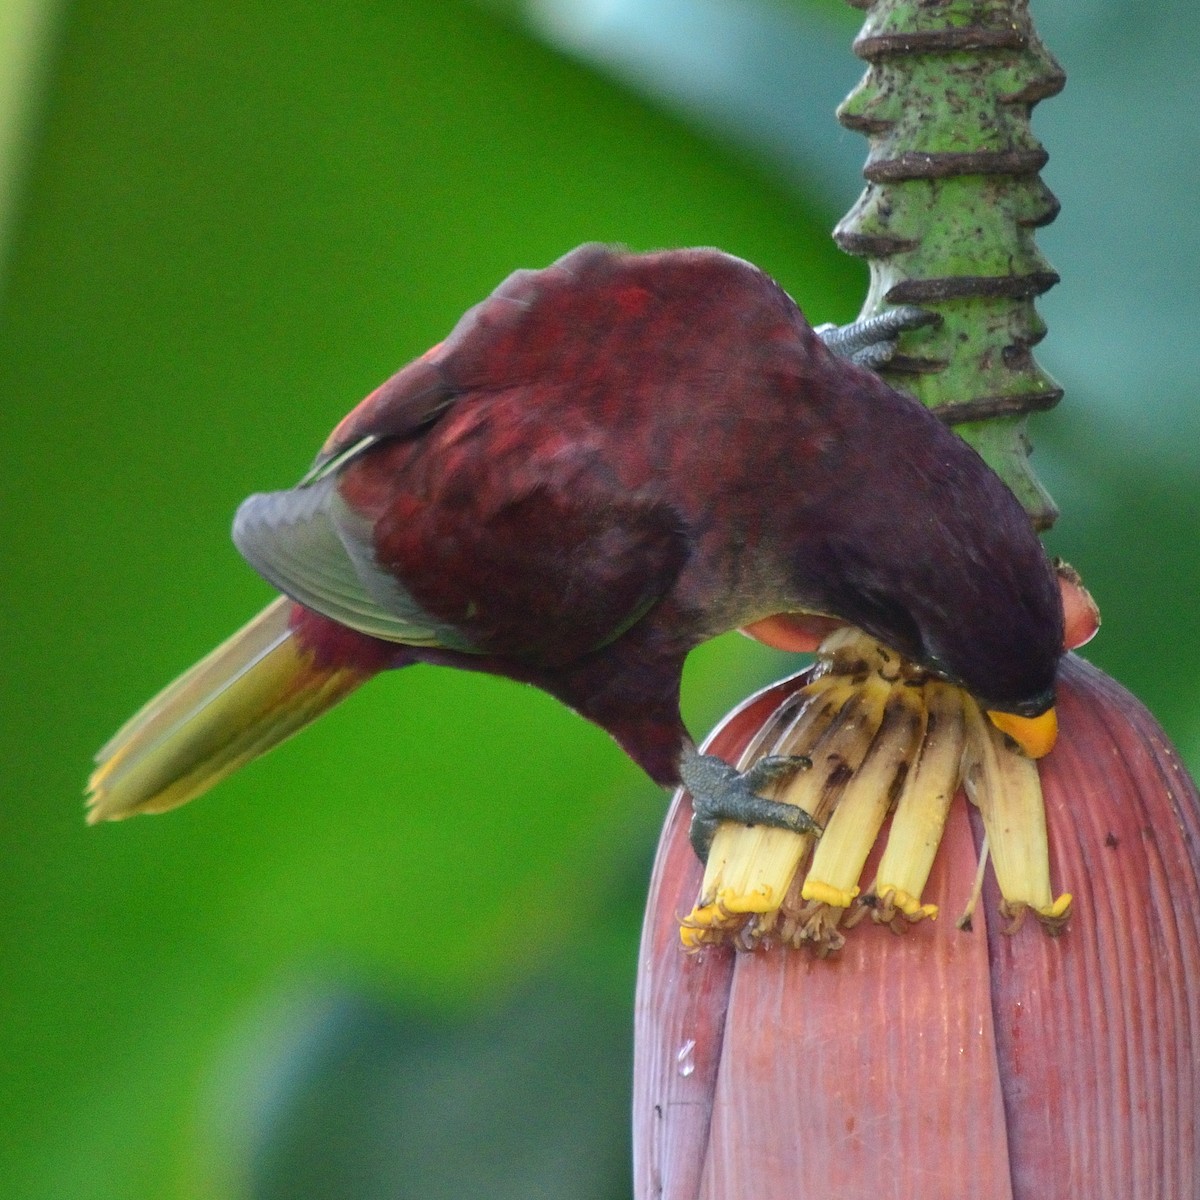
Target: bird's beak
1035 735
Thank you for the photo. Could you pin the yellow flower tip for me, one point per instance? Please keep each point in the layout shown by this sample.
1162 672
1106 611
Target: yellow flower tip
694 937
825 893
718 919
704 916
888 900
707 925
1035 735
1054 917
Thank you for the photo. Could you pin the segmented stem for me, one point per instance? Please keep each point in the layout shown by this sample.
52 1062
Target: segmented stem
948 216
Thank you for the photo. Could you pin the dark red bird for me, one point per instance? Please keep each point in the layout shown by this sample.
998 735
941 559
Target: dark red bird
606 463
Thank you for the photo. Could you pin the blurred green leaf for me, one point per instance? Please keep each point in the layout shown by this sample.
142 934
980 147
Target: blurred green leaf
236 220
25 38
342 1095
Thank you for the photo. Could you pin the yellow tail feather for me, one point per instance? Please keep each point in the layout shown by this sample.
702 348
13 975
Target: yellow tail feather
249 694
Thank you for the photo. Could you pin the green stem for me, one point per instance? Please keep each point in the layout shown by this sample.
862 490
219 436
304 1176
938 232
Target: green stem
947 219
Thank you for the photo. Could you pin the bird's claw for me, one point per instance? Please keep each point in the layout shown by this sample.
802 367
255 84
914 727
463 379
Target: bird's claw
775 768
871 341
722 793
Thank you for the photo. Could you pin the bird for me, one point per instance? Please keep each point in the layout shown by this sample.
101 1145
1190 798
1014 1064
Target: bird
606 463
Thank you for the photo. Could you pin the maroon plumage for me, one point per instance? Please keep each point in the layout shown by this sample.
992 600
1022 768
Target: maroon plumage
613 459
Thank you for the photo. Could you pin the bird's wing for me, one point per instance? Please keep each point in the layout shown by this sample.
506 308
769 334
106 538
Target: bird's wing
401 406
313 547
497 343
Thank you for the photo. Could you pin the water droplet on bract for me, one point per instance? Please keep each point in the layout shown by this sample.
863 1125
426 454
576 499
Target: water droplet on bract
685 1059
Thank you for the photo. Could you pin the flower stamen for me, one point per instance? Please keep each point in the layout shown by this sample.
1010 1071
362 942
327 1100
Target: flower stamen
966 920
881 734
751 867
921 810
1004 785
852 829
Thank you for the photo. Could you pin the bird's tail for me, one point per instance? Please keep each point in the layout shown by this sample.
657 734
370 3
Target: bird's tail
249 694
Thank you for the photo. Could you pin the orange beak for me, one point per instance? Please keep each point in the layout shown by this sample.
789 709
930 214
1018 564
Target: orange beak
1035 735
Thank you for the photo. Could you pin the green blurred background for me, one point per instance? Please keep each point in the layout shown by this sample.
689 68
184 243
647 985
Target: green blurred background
397 957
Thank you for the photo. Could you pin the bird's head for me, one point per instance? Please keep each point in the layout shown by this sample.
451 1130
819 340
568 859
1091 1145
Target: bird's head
1025 710
938 559
972 599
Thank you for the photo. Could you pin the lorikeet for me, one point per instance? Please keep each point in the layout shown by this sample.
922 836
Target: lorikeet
606 463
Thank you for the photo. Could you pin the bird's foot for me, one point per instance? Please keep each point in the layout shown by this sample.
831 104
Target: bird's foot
723 793
871 341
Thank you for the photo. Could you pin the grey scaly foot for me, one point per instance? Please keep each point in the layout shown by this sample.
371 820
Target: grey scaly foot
723 793
871 342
